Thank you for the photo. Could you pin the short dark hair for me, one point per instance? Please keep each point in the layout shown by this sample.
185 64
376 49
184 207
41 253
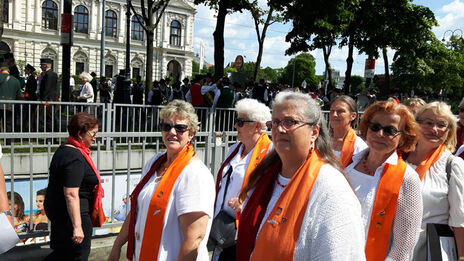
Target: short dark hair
81 123
41 192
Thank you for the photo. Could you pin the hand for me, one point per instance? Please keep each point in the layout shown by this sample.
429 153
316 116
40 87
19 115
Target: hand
235 204
114 254
78 235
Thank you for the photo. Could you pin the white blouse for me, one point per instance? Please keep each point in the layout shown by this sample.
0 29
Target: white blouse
406 223
87 92
332 227
359 145
443 199
193 192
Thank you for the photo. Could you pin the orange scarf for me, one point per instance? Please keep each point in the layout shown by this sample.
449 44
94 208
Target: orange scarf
348 148
158 204
426 163
259 152
285 219
384 209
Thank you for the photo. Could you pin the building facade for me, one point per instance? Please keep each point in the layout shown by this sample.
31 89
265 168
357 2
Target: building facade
32 31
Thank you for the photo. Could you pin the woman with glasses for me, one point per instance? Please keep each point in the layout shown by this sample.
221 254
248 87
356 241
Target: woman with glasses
460 127
388 189
172 207
74 191
298 204
342 117
252 146
442 192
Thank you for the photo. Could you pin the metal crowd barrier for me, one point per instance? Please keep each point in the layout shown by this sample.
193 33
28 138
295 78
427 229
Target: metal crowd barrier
125 161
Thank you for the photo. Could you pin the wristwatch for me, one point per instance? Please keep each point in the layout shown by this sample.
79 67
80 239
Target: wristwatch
8 213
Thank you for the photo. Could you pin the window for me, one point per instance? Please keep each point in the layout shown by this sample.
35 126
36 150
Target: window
79 68
136 29
81 19
5 11
175 33
111 23
49 15
109 70
135 72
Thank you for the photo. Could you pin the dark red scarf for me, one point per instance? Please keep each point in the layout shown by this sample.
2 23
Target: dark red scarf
85 151
253 214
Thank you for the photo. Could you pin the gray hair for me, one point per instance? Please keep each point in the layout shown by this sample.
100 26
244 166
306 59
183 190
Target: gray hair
351 105
182 109
254 110
87 77
311 112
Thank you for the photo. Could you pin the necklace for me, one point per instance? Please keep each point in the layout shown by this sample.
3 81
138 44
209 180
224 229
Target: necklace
280 184
364 165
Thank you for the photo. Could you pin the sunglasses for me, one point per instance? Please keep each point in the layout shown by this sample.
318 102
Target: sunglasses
180 128
286 124
239 122
387 130
93 134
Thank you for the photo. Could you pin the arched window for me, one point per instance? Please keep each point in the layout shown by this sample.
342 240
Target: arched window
175 33
5 11
49 15
81 19
111 23
136 29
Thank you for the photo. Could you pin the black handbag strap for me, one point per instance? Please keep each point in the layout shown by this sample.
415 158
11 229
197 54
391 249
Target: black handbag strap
228 174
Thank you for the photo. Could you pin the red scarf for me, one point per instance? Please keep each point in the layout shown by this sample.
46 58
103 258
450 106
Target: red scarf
98 190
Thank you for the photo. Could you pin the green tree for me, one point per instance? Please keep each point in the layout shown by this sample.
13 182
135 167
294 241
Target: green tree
303 67
268 74
435 66
223 7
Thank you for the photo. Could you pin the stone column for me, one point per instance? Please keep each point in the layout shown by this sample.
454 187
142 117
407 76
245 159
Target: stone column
37 16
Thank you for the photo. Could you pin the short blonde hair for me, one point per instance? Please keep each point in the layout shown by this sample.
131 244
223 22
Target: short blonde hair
254 110
87 77
444 110
182 109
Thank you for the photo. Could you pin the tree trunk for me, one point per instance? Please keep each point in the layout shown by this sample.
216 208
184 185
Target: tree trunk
1 22
349 64
261 41
327 50
387 71
219 39
149 64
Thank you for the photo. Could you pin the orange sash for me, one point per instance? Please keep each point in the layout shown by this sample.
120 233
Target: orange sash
158 203
429 161
259 152
384 209
348 148
279 234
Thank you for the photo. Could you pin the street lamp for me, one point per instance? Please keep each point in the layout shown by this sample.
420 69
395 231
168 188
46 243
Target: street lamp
452 33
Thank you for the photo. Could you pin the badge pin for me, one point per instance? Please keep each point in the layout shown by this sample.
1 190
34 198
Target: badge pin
278 211
160 194
156 212
271 221
379 224
382 213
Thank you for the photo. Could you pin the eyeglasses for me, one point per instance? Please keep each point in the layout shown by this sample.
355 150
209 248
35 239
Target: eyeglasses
441 125
239 122
387 130
93 134
180 128
286 124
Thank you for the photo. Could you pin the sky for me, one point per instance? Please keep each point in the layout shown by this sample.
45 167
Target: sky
240 37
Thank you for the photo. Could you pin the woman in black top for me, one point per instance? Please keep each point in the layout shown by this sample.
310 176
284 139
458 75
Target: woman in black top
71 172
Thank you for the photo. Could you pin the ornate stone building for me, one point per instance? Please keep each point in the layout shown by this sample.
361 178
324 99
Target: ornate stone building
32 31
